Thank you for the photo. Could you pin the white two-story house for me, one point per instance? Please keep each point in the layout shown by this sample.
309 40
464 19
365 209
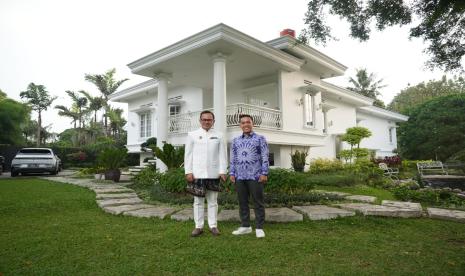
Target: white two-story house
280 83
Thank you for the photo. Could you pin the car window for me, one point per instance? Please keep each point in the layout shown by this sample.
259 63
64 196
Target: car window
35 151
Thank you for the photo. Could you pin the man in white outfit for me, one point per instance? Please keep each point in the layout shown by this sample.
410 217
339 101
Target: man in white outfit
205 158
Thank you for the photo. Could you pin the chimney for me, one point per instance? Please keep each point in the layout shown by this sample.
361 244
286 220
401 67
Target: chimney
289 32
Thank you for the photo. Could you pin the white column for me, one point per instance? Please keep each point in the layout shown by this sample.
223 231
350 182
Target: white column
219 91
162 114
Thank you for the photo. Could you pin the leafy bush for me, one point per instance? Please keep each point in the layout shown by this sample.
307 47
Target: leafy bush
323 165
147 178
172 157
112 158
428 196
173 180
298 160
286 181
367 172
79 156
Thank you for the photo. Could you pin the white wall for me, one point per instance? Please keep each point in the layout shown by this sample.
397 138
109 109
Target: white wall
290 94
379 140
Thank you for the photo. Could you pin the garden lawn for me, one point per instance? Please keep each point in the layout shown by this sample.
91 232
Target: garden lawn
50 228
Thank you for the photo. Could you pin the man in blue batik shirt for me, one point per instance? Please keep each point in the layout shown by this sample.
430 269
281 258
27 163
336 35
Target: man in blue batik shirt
249 171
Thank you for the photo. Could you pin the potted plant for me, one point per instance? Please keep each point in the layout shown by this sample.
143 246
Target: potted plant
111 160
99 172
298 160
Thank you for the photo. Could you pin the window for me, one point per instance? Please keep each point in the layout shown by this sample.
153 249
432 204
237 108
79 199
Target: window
271 158
390 134
145 125
309 110
174 109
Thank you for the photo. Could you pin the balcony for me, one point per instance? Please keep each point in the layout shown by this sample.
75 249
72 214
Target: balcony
263 118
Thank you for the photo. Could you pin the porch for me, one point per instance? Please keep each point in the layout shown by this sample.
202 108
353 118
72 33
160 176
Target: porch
263 117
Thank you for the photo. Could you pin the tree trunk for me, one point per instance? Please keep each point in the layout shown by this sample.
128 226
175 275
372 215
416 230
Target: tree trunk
39 123
95 116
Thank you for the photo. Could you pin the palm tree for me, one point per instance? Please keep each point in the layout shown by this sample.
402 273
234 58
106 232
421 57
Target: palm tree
107 85
117 121
80 103
38 98
95 103
367 85
65 112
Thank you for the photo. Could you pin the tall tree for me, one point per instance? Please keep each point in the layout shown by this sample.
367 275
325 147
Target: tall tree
413 96
366 84
39 100
435 129
95 103
80 104
117 121
441 24
13 115
66 112
107 85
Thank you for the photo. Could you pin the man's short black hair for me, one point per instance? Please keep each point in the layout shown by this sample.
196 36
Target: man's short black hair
245 116
207 112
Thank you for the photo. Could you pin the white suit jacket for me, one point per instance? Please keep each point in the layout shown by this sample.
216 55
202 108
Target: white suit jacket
205 154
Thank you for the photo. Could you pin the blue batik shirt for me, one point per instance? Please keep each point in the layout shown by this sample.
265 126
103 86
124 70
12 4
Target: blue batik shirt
249 157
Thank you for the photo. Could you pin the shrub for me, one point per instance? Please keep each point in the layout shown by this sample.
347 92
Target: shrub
112 158
172 157
173 180
428 196
367 172
298 160
286 181
79 156
323 165
147 178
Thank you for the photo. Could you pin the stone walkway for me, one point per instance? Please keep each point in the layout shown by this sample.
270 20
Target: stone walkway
119 200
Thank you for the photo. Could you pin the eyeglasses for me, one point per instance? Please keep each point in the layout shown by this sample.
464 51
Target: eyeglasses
206 120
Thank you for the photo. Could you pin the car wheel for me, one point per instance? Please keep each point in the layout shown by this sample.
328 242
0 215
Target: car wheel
14 174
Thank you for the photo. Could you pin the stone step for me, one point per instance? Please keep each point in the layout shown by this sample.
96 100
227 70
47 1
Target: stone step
362 198
323 212
108 196
271 215
380 210
402 204
112 190
341 194
120 201
116 210
155 211
446 214
186 214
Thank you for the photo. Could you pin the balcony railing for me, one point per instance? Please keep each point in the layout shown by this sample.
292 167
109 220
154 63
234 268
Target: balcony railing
263 117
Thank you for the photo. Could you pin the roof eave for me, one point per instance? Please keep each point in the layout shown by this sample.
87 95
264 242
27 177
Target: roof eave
215 33
124 94
289 43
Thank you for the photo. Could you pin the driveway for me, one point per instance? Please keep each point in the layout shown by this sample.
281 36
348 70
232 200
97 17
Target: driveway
62 173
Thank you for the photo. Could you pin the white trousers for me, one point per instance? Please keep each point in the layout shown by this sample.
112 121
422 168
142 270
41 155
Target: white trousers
199 205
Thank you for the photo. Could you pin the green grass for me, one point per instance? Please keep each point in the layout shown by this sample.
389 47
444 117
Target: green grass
50 228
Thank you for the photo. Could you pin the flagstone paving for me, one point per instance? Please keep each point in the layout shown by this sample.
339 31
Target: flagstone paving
362 198
117 199
108 196
381 210
322 212
155 211
454 215
116 210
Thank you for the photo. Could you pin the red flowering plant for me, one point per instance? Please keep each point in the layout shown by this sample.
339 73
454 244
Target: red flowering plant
392 161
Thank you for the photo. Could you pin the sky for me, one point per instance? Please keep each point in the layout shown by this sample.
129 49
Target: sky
55 43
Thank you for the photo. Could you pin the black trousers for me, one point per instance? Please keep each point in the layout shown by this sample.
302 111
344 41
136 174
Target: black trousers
246 188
